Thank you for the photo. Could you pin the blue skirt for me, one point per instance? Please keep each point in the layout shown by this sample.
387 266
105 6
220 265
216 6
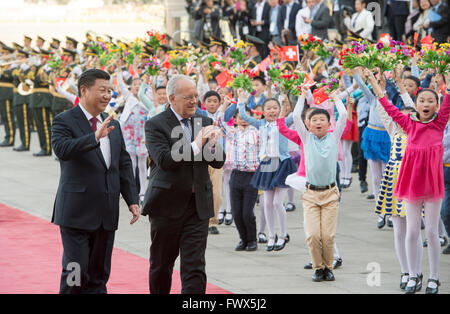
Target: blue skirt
272 173
376 144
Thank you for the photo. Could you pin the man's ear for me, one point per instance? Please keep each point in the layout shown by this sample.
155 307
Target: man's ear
171 98
83 90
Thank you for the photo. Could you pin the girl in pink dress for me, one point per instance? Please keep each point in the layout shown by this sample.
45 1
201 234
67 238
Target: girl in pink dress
421 180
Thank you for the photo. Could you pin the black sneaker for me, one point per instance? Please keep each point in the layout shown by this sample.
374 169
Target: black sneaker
337 263
363 186
318 275
213 230
241 246
252 246
446 250
328 275
370 197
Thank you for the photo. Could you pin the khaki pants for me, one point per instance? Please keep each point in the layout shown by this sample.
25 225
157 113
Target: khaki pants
320 209
216 179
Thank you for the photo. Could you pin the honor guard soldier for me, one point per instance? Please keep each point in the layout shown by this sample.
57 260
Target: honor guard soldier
22 89
41 104
253 53
7 96
40 43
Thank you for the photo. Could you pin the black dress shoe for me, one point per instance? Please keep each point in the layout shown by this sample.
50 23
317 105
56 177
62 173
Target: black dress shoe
389 222
308 266
446 250
290 207
443 241
429 290
403 283
328 275
413 289
21 148
363 186
228 221
252 246
220 220
262 238
381 222
270 248
213 230
318 275
241 246
6 143
370 197
337 263
41 154
279 247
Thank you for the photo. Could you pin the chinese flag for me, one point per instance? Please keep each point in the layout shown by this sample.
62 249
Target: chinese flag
385 38
223 78
131 71
319 96
290 53
427 42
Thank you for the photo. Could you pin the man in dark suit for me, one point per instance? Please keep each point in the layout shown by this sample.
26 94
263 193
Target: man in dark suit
287 15
440 27
260 22
95 170
179 197
320 20
397 12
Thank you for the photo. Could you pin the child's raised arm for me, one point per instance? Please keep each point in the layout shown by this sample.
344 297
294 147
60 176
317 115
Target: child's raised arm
299 126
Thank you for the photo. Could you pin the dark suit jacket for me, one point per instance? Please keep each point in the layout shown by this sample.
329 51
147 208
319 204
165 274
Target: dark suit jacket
266 18
440 28
88 193
396 8
292 16
321 22
171 180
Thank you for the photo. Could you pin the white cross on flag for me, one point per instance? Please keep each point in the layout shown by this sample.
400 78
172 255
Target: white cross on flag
290 53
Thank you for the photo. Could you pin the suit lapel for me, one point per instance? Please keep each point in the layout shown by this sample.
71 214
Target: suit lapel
84 125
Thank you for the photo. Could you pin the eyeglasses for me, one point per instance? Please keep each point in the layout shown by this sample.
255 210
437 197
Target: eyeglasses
189 98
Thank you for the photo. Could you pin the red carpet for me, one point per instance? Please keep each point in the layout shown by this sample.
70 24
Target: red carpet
31 253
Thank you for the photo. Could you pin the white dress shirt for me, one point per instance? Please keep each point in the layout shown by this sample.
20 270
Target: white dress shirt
301 27
259 12
105 145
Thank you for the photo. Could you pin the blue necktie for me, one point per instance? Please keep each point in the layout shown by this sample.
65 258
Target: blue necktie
187 129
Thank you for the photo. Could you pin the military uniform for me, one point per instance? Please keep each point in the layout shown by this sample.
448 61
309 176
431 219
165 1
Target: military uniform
21 105
41 106
6 106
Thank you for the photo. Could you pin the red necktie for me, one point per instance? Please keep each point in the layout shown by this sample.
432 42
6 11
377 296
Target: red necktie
94 123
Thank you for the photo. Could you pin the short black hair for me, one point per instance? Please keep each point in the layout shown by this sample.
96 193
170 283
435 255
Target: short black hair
427 90
88 78
259 78
160 87
270 99
318 111
211 93
247 109
413 78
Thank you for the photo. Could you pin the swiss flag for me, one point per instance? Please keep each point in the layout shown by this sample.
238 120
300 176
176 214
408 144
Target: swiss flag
290 53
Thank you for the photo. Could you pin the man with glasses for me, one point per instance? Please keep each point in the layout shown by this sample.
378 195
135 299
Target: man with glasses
179 197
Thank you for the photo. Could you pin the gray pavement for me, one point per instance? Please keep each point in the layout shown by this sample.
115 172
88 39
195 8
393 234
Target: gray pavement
29 183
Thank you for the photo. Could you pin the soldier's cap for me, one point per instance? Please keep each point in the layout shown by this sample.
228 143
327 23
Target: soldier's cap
287 66
7 48
354 36
213 40
202 44
22 53
166 47
100 39
44 52
41 39
338 42
110 38
55 40
73 41
2 44
254 40
27 38
34 52
68 52
168 37
17 46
